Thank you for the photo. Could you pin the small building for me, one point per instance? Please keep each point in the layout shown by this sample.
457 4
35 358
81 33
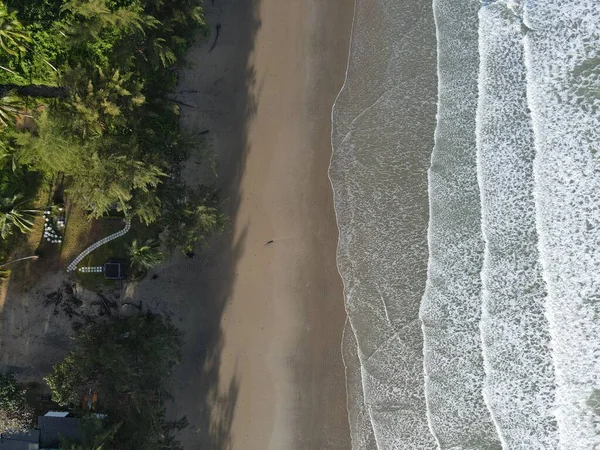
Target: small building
50 429
53 428
115 269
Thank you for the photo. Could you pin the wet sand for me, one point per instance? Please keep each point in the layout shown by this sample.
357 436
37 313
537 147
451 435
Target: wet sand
262 365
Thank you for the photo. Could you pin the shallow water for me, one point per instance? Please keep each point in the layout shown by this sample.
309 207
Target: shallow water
451 306
383 123
470 260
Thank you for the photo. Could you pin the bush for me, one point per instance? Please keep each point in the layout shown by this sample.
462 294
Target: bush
125 363
144 255
15 414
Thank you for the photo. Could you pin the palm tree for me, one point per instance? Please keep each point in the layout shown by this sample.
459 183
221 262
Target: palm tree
90 17
11 107
12 35
14 214
13 40
144 256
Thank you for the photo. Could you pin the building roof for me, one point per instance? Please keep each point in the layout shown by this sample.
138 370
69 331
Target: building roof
20 441
53 428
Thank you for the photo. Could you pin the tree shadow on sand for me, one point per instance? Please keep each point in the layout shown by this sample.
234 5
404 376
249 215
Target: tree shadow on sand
219 87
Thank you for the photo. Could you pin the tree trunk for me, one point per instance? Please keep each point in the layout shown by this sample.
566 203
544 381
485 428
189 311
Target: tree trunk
20 259
35 90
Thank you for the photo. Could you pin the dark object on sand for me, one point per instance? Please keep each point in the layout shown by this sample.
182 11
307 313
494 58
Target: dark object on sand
270 242
182 103
190 255
139 307
216 37
154 277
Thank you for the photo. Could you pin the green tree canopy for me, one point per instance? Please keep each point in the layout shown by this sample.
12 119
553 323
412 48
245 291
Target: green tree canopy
191 217
11 107
144 255
127 363
12 35
97 78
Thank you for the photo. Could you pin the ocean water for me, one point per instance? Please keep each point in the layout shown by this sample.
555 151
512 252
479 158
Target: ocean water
519 386
466 177
562 54
451 305
383 125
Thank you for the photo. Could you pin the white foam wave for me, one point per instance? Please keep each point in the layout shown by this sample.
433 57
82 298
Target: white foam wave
451 306
563 79
361 429
519 383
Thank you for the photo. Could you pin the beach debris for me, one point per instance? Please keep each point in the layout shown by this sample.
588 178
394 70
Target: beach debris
64 298
270 242
182 103
138 306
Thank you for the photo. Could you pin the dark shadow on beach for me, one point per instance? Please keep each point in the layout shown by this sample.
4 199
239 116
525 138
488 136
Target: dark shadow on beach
195 291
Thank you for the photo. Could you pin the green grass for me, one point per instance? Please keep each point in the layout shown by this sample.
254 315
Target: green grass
116 248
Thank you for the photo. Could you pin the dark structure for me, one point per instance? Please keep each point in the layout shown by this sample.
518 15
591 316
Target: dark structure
52 429
115 269
30 440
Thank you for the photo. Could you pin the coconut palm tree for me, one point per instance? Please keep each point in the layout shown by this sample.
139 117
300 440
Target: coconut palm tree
144 255
91 17
11 107
14 214
12 35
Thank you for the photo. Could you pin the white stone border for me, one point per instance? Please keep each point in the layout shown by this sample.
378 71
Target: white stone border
95 245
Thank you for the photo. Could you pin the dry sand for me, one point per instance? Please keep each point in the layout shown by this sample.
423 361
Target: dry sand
262 366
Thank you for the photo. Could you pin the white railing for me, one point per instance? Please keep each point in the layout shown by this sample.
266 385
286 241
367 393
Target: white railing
95 245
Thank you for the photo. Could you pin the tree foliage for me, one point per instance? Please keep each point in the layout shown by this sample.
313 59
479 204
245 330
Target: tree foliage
144 255
11 107
96 435
127 363
192 216
88 19
13 37
15 414
15 215
100 74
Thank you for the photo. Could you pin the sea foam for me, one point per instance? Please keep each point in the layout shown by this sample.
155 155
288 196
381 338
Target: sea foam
562 52
519 383
451 306
383 122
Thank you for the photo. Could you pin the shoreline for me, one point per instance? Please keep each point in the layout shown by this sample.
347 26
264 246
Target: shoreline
262 365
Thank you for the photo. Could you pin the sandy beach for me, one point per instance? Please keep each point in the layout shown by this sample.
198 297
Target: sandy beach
262 365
